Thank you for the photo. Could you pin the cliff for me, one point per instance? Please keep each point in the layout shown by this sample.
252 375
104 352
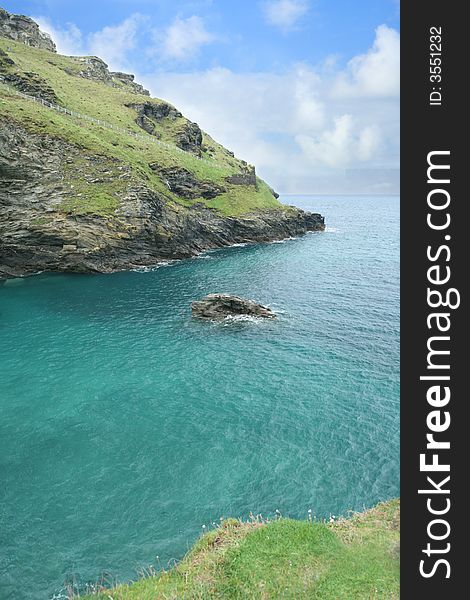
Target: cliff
343 559
25 30
97 176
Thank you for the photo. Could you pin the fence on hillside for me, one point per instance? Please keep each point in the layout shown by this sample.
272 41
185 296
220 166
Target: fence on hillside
105 124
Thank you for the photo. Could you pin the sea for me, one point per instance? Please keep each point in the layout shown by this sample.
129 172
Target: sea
128 428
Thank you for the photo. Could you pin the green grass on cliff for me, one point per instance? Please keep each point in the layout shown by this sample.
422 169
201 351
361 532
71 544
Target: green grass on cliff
350 559
107 103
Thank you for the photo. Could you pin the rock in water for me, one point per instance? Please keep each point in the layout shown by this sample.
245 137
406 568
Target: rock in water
219 306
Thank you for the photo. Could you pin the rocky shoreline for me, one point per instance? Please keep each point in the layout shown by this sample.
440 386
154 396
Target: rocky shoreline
24 259
145 229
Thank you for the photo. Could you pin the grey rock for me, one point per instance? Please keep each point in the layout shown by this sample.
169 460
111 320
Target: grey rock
128 80
156 110
274 193
96 69
25 30
184 184
190 138
248 177
26 82
150 113
220 306
145 229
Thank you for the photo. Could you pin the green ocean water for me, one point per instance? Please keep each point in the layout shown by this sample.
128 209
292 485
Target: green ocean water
125 425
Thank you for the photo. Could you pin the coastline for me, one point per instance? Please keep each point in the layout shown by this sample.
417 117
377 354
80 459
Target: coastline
76 261
357 555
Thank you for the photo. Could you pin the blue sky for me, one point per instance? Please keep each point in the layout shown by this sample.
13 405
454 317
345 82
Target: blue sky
307 90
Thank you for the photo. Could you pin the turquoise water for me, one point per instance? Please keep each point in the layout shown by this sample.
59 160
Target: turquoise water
125 425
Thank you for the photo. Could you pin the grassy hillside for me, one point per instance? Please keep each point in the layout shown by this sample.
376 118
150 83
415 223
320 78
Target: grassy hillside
109 103
356 558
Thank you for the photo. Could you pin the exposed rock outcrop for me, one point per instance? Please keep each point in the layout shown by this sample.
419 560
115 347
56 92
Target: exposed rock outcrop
150 113
29 83
25 30
190 138
184 184
36 234
248 177
156 110
219 306
128 80
96 69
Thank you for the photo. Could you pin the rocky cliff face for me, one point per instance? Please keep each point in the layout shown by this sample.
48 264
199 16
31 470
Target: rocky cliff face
96 69
35 235
77 196
25 30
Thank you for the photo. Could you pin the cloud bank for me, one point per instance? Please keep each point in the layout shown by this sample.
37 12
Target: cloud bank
306 128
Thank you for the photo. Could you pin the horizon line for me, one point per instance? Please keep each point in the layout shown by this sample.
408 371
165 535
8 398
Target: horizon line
397 194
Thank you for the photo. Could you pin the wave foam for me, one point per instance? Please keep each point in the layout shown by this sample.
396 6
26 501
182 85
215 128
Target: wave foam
151 268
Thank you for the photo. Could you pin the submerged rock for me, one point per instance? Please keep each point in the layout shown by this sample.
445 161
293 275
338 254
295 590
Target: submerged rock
219 306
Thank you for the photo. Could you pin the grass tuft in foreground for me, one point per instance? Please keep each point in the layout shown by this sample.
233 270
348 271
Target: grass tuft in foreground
355 558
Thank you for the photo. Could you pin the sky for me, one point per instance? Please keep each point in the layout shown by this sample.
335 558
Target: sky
306 90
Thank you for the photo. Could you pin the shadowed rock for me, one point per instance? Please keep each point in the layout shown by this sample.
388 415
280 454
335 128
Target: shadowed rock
189 138
184 184
219 306
248 177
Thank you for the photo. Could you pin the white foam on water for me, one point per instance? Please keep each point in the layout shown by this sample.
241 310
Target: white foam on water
151 268
230 319
284 241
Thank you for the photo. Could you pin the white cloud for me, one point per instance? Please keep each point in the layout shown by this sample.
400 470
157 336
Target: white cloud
286 124
113 43
284 13
377 72
308 109
245 110
341 145
302 126
183 39
68 41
